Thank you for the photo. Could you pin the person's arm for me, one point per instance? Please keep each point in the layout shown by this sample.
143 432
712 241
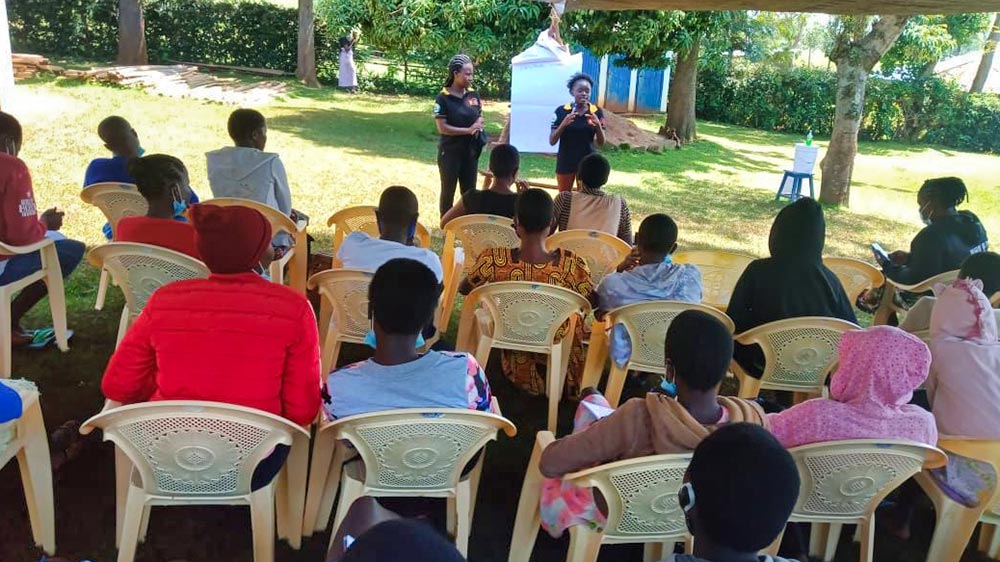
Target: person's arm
477 386
607 440
441 121
131 373
625 223
925 259
453 213
20 224
559 125
560 209
300 386
598 125
282 193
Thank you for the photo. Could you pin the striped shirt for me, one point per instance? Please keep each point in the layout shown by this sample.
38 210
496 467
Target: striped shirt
563 208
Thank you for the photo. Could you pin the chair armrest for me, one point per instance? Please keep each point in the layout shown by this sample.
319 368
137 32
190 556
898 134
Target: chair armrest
7 250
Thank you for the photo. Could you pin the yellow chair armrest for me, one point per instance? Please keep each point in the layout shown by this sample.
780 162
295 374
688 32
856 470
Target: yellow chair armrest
8 250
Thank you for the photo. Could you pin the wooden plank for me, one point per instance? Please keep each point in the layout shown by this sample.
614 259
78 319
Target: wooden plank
243 69
902 7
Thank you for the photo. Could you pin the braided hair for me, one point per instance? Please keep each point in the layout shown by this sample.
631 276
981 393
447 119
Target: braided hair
155 174
456 64
944 193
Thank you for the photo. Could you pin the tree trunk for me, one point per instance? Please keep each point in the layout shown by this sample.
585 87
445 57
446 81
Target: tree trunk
131 33
306 68
681 98
986 63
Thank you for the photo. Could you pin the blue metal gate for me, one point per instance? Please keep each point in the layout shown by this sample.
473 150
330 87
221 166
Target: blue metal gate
649 90
619 81
592 67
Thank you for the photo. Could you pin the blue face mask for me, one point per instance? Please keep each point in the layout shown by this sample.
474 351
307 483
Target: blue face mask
668 260
179 207
370 340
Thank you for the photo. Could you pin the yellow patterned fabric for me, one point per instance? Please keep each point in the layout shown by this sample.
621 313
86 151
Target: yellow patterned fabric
565 269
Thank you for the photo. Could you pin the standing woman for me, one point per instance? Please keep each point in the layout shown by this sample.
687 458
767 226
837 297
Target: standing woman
347 78
458 114
577 127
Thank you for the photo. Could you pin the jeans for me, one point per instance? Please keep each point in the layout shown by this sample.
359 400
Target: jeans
18 267
457 165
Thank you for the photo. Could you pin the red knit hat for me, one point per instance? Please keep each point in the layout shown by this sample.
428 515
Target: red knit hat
230 239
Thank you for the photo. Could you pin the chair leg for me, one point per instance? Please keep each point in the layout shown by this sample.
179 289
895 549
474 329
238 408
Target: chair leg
830 543
994 546
102 289
144 527
584 544
277 271
333 477
262 523
325 314
554 383
298 268
986 535
652 552
6 332
123 473
319 467
36 477
616 382
123 325
132 523
597 354
474 477
297 469
528 516
867 532
57 296
463 511
749 386
350 490
482 351
817 539
955 526
885 310
330 351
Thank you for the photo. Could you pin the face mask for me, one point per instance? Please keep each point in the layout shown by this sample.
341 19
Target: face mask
668 260
370 340
141 151
923 218
179 207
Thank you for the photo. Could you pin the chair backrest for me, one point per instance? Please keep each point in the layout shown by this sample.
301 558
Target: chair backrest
141 269
418 452
527 315
927 284
115 200
194 449
799 353
719 273
641 495
347 292
477 233
855 275
986 450
280 222
362 218
846 480
602 251
647 324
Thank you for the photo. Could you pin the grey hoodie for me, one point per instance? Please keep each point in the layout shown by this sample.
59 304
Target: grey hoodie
236 171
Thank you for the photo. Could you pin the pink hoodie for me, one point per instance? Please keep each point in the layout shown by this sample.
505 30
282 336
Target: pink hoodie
869 394
964 387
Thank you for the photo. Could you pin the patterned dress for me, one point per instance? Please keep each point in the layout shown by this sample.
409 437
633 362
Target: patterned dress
526 370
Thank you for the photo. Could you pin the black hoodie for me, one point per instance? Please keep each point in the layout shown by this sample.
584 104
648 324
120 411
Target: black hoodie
941 246
793 282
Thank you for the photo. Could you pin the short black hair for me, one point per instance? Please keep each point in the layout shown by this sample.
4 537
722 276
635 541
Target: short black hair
747 508
113 129
945 192
398 206
403 296
700 348
657 234
243 122
402 539
576 78
155 173
984 266
10 128
594 171
504 160
534 210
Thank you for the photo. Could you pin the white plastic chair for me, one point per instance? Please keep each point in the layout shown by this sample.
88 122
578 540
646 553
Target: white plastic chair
646 324
799 353
343 313
476 233
116 201
362 218
641 494
887 306
856 276
719 273
844 481
25 438
141 269
297 257
403 453
194 453
523 316
51 274
602 251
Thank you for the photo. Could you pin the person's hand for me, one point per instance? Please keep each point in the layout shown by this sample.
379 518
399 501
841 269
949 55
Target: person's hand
52 219
476 127
592 120
521 185
899 257
568 120
630 261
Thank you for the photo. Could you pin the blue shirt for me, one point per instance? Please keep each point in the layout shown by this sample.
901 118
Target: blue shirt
10 404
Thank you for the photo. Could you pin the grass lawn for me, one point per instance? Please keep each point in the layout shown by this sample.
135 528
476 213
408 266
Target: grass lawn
342 150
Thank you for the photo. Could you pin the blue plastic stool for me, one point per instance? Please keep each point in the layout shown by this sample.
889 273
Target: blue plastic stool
797 178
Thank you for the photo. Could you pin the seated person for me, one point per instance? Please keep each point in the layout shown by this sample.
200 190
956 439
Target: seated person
734 514
647 274
499 199
245 170
591 208
792 283
402 298
534 262
698 349
20 225
984 266
162 181
869 394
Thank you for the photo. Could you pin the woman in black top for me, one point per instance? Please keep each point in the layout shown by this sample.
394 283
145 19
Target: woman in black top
458 114
499 198
577 127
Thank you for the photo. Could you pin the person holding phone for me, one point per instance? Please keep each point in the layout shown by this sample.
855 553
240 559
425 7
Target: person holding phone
458 115
578 127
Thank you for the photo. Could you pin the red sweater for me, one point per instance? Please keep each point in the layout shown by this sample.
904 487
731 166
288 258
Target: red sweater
165 233
229 338
19 225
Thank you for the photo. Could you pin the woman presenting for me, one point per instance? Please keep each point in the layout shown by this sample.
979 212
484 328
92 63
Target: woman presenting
577 127
458 114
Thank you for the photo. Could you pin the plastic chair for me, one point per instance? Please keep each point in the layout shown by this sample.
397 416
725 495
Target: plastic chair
602 251
523 316
453 278
477 233
843 483
799 353
641 494
955 522
855 275
362 218
141 269
30 445
646 324
51 274
887 306
409 453
343 310
116 201
297 257
719 273
194 453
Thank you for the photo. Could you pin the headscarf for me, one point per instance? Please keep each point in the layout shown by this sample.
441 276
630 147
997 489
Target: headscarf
456 64
799 232
869 394
230 239
401 539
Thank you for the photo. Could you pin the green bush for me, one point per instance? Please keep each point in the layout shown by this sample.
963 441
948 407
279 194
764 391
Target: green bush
81 28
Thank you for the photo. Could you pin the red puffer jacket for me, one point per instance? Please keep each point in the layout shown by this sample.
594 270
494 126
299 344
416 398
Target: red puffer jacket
236 338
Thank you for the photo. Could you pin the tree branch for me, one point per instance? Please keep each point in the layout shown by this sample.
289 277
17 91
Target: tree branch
883 34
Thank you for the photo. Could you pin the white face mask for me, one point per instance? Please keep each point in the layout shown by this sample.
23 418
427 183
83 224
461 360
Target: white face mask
924 218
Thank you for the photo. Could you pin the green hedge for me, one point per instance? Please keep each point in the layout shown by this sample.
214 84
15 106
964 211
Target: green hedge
931 110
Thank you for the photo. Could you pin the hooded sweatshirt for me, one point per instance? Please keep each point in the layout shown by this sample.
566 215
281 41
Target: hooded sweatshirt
964 386
941 246
248 173
654 425
869 394
792 283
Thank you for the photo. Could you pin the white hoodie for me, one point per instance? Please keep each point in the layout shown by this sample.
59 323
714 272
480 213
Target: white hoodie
237 171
